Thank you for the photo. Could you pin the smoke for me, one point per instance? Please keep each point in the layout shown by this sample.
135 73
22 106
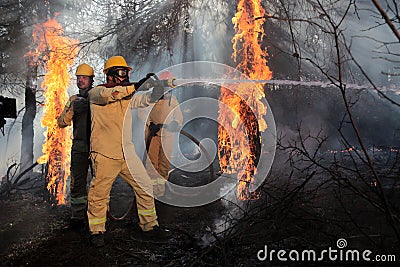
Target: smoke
10 143
319 109
207 36
10 146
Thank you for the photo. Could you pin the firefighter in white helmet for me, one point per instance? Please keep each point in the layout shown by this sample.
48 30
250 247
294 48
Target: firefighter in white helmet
108 104
77 112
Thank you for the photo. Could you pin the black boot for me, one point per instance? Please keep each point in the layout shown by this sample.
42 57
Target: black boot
158 233
97 240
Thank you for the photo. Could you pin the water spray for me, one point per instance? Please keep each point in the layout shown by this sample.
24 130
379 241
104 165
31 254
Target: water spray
174 82
180 82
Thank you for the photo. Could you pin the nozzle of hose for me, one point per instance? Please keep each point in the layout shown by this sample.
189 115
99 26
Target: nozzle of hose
163 83
170 83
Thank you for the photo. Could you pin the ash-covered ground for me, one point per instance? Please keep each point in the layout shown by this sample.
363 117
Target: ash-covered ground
308 208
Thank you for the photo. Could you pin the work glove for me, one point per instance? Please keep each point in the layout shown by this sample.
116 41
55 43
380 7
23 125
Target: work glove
79 105
173 126
147 81
157 93
151 80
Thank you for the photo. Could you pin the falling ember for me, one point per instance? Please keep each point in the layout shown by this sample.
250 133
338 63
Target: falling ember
239 144
58 53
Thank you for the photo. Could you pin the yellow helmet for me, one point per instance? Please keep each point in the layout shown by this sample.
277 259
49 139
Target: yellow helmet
115 61
84 70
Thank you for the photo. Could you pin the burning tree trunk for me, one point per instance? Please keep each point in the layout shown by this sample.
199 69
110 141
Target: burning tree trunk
240 144
58 53
29 115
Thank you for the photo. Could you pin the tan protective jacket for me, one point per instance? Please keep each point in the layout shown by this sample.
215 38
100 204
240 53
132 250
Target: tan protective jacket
163 112
65 118
109 106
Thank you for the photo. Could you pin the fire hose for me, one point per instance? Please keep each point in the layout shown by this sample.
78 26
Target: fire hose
9 185
191 137
211 170
207 155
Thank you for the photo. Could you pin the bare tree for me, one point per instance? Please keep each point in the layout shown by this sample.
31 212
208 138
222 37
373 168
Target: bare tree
338 179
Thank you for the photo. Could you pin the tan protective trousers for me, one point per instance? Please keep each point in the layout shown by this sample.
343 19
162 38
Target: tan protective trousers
105 173
158 155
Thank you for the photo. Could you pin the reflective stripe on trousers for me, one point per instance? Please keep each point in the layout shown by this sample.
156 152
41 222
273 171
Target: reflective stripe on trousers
106 171
157 181
96 221
149 212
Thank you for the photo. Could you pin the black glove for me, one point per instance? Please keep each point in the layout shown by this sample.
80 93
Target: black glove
173 126
80 105
154 128
147 81
151 80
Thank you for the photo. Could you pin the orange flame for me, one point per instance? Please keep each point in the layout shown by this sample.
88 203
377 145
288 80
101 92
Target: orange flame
240 143
58 53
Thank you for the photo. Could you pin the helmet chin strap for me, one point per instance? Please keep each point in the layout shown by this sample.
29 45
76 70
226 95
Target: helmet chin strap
118 80
83 92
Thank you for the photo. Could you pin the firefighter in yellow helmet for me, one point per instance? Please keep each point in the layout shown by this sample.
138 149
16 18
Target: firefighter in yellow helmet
77 112
109 103
164 120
